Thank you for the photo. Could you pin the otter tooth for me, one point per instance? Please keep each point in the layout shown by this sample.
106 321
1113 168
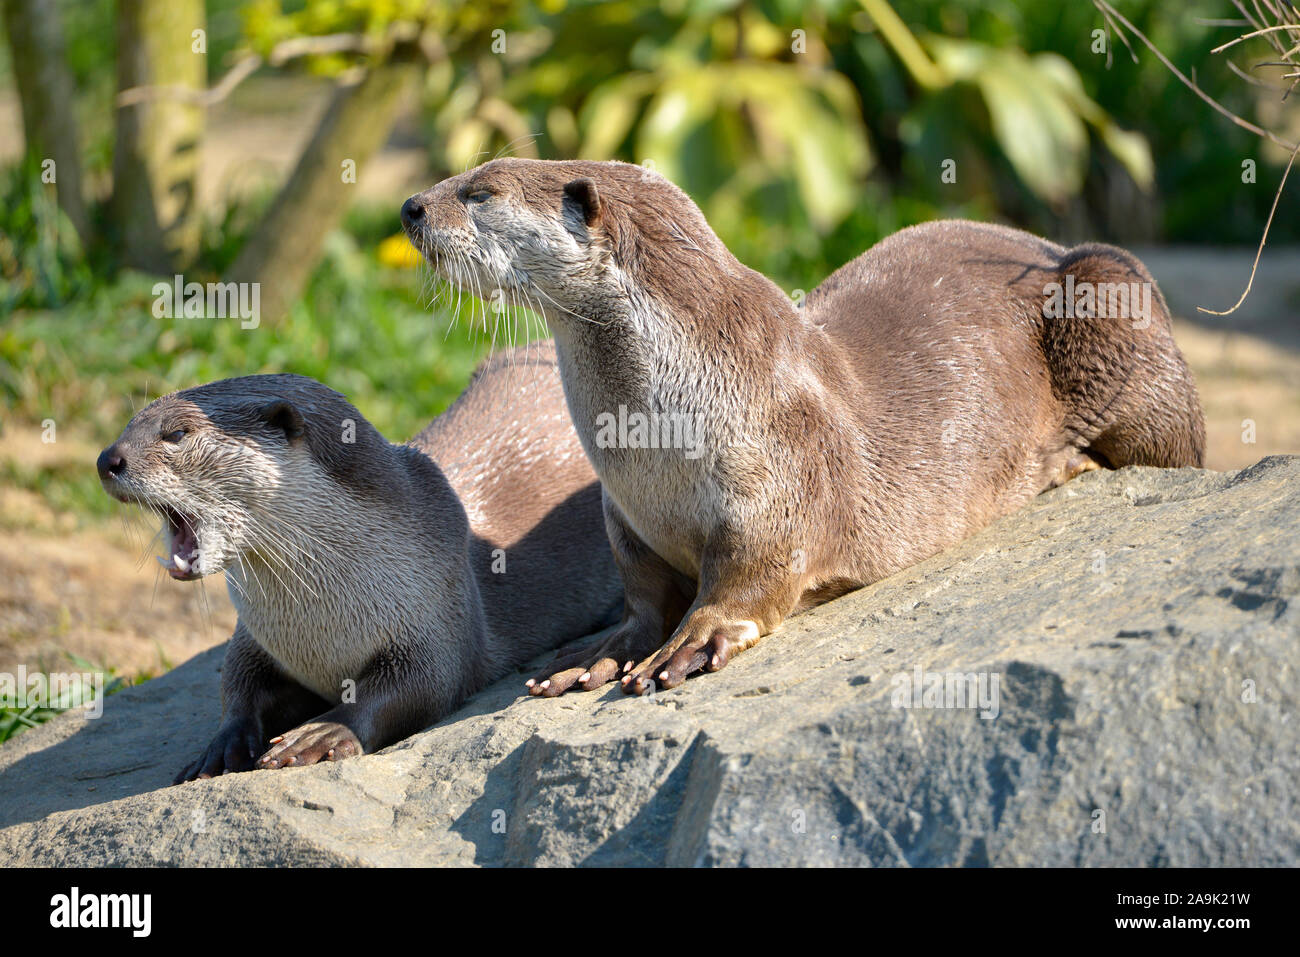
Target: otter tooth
180 563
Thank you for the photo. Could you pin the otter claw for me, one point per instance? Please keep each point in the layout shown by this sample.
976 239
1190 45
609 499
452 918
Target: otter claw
311 743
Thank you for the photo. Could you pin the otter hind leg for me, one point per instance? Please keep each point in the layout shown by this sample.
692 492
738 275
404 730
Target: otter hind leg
1130 398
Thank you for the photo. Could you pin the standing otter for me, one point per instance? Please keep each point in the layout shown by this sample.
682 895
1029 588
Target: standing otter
925 389
390 581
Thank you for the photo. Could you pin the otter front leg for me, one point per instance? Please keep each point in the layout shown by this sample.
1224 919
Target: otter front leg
732 611
329 738
258 699
391 703
653 604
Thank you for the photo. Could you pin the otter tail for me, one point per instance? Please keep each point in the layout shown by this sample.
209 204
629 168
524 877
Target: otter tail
1129 395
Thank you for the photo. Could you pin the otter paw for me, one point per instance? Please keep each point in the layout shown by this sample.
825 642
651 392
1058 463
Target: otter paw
588 675
311 743
590 668
233 749
708 645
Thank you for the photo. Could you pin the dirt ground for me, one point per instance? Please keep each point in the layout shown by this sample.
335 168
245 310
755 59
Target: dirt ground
1243 379
95 592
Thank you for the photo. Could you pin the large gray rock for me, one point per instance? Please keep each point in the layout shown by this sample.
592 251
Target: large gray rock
1142 626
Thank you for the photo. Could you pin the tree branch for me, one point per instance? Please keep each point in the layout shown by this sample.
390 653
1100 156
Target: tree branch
428 45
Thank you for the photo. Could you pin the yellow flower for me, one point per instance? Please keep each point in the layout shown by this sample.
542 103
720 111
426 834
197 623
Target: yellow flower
397 251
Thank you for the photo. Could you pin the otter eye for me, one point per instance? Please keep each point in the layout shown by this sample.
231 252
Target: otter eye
479 196
174 437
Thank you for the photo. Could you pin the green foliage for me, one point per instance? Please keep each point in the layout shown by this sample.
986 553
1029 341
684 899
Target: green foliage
800 144
1197 153
453 26
15 719
362 328
1041 118
1039 115
90 356
727 131
713 95
41 260
799 159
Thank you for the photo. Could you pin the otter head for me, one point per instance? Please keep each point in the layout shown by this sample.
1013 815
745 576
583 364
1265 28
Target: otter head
562 237
228 466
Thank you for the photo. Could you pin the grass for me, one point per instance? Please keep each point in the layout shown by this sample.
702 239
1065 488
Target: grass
362 327
82 347
15 719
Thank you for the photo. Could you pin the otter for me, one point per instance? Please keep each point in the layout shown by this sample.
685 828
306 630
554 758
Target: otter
376 585
923 390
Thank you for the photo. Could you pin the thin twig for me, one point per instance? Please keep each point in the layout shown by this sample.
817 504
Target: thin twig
1253 33
1254 80
234 76
1262 240
1110 11
1291 31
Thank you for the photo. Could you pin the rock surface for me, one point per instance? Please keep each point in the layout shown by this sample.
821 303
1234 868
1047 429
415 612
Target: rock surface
1143 628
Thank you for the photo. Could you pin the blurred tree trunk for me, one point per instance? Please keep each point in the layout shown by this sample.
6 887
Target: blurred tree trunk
47 95
284 249
156 156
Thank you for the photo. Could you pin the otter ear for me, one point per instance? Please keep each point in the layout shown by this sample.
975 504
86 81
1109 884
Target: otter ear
282 415
582 197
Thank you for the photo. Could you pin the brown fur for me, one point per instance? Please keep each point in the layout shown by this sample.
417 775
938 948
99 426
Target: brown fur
921 393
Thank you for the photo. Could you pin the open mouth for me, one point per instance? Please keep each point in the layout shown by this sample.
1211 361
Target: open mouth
184 559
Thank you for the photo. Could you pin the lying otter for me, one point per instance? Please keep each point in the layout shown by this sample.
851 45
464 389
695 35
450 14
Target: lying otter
377 585
935 383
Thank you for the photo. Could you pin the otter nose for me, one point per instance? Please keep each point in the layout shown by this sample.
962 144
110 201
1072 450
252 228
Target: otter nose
412 212
111 463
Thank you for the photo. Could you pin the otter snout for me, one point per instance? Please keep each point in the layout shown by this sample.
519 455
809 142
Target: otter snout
419 218
111 464
412 212
439 215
